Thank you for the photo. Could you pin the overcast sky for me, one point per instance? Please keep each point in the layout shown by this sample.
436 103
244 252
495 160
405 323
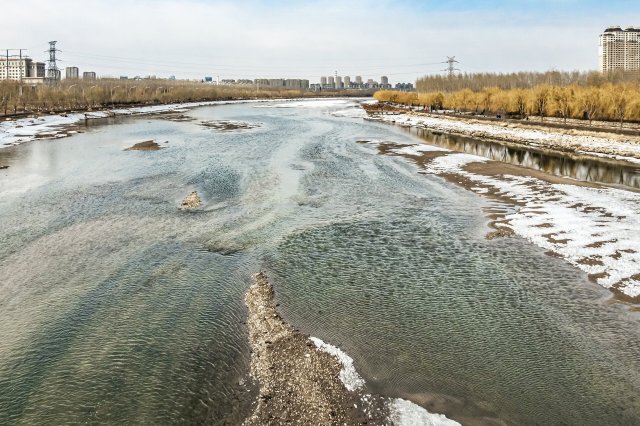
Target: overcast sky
306 39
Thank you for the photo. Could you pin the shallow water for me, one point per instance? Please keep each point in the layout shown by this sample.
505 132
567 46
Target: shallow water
117 307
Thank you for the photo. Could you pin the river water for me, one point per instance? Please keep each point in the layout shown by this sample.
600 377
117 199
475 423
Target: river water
118 307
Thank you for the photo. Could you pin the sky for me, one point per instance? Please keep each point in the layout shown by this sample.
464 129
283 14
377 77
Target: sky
403 39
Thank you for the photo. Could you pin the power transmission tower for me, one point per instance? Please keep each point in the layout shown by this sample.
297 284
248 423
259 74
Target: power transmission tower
451 69
53 73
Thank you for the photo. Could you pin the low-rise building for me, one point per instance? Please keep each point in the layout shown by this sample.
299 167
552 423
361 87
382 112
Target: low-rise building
88 75
21 69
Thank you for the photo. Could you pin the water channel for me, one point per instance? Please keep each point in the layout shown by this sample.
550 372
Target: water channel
118 307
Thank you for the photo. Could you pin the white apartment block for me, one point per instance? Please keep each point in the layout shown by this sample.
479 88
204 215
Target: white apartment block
21 69
620 49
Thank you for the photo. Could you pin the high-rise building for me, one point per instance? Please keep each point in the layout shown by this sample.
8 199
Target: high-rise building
338 82
620 49
384 80
72 72
358 79
323 81
88 75
347 81
331 82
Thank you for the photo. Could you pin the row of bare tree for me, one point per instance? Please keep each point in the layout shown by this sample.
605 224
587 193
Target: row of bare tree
86 95
608 102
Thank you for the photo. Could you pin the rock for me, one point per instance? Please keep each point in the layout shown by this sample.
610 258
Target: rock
191 201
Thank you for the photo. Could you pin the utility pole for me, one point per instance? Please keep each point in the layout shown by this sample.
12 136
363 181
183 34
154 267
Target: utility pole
53 74
451 69
21 72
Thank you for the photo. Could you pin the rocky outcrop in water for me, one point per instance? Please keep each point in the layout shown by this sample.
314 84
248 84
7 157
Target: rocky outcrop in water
191 201
149 145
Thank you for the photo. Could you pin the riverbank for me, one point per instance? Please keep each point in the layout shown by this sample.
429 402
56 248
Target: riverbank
18 131
303 380
608 145
593 227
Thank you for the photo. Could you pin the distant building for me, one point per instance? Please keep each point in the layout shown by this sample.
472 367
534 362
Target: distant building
21 69
620 49
405 87
338 82
72 73
323 81
359 80
331 83
347 82
88 75
384 80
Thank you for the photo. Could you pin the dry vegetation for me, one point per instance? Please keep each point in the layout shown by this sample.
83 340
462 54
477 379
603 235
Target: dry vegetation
574 96
86 95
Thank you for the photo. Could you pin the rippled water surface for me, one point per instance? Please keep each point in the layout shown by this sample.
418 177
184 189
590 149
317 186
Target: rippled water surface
117 307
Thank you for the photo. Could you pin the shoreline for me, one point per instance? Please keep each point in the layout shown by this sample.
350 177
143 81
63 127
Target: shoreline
596 228
304 380
580 142
14 132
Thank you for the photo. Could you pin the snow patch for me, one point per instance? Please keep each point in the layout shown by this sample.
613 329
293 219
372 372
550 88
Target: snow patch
406 413
348 375
419 149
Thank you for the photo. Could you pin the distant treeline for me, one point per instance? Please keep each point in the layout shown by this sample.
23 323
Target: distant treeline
521 80
94 94
618 102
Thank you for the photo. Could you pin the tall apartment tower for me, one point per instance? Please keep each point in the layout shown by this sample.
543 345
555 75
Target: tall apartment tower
347 81
620 49
72 73
338 82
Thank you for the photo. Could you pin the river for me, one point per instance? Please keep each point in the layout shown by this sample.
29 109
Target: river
118 307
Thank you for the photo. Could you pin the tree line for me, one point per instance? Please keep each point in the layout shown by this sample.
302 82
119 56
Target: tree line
522 80
95 94
617 102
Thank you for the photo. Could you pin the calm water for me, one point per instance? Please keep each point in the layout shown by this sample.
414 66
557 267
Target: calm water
606 171
116 307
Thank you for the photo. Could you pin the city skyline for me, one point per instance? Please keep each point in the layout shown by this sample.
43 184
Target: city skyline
275 39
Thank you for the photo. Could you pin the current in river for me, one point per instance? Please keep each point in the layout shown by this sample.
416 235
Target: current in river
117 306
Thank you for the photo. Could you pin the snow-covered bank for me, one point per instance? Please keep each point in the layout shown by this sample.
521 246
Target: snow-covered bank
595 229
15 132
622 148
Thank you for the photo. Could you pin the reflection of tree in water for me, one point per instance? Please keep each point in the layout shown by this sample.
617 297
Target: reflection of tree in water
552 162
